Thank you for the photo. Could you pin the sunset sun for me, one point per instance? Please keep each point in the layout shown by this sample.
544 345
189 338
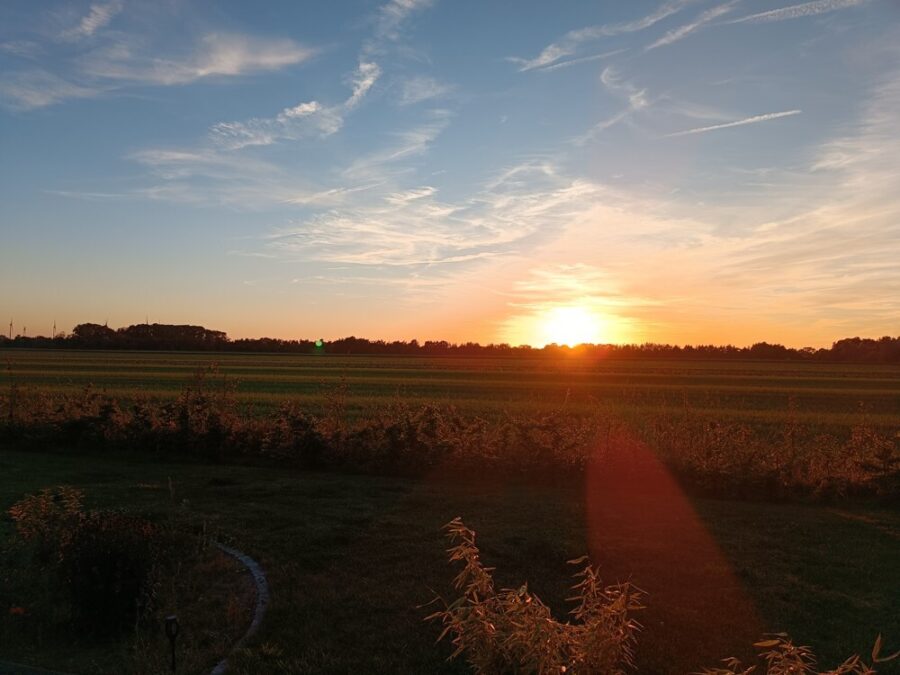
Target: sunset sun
571 326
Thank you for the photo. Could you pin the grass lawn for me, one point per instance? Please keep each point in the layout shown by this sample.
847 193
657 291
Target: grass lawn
351 559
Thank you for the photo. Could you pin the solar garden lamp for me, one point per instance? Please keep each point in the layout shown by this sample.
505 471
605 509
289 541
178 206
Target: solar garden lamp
172 633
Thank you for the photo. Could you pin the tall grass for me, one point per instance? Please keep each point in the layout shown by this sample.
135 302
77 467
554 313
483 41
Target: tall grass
711 456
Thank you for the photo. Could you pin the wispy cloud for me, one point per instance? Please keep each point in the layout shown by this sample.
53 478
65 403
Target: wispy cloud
210 177
636 100
329 197
613 81
216 55
121 63
401 198
394 13
174 163
737 123
390 20
314 118
421 88
799 11
26 49
309 118
98 16
702 19
37 88
572 41
87 196
366 75
575 62
300 121
407 144
414 227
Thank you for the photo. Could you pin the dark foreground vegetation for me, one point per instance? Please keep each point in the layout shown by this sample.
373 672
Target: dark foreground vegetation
89 588
352 559
197 338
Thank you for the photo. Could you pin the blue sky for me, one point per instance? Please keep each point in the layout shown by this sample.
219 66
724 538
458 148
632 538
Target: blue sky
681 171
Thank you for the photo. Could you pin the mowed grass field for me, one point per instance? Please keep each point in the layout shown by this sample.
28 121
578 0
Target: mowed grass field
767 392
352 558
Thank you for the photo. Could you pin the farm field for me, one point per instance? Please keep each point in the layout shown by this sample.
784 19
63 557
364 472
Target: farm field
831 395
352 559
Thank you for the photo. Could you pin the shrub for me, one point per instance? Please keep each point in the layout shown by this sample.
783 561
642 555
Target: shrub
511 630
109 568
48 519
104 562
294 437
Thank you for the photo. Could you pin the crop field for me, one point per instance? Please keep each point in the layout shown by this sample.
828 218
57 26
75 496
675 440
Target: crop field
348 524
831 395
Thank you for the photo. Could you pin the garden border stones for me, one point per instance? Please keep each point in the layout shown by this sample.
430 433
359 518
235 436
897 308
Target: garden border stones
262 601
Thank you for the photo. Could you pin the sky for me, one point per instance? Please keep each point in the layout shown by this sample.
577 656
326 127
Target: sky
680 171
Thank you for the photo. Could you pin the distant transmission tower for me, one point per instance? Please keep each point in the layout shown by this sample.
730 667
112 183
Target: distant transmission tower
10 329
53 334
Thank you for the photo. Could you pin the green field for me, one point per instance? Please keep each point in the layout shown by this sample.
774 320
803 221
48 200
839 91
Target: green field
826 394
352 558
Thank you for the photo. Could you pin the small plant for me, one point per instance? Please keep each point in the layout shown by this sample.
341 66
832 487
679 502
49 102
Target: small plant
511 630
781 656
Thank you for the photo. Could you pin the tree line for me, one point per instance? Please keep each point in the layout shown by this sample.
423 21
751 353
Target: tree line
168 337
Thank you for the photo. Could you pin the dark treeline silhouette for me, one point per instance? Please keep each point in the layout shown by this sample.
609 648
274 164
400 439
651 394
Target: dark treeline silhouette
159 336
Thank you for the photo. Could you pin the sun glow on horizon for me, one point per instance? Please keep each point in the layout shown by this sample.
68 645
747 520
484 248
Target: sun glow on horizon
571 325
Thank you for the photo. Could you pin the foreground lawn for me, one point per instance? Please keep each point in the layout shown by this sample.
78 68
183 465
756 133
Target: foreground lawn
352 558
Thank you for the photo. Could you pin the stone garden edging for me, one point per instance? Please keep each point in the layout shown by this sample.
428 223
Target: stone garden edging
262 602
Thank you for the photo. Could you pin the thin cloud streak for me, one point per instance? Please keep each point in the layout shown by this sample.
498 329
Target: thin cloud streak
799 11
99 15
572 40
739 123
579 61
682 32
